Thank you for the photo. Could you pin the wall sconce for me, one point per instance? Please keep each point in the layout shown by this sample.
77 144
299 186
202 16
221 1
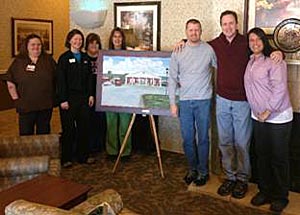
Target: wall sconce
91 13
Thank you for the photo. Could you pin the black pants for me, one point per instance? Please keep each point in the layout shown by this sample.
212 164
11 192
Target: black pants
142 138
75 128
97 131
35 122
272 150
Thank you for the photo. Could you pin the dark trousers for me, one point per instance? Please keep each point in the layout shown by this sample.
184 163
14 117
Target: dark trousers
97 131
35 122
75 128
272 150
142 138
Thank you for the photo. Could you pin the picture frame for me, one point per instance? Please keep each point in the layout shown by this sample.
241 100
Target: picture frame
268 14
133 82
21 28
140 22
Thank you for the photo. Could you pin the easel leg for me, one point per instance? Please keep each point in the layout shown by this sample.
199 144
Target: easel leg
153 129
124 141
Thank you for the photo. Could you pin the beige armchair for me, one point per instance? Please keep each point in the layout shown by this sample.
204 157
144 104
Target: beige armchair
24 157
111 197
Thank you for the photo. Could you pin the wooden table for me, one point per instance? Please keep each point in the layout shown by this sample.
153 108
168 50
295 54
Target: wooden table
48 190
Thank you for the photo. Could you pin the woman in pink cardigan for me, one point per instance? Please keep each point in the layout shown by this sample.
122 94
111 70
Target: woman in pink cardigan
272 114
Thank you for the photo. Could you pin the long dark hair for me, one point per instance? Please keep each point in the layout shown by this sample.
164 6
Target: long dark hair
261 34
23 49
70 35
111 44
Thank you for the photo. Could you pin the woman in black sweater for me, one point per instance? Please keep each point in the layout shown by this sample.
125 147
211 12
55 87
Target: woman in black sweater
76 95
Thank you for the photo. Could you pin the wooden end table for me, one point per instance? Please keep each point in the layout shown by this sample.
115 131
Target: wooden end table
48 190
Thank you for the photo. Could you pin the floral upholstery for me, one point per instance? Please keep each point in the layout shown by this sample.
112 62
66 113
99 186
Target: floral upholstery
110 196
24 157
22 207
113 198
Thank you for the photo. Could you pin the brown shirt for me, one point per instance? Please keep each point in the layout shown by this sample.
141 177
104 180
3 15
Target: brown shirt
35 83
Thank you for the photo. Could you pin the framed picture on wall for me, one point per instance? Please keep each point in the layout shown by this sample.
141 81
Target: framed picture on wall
133 82
21 28
267 14
141 24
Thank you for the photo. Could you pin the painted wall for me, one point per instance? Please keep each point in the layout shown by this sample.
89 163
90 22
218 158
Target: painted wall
58 11
174 14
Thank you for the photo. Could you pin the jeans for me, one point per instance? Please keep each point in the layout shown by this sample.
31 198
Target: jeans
194 118
272 150
234 130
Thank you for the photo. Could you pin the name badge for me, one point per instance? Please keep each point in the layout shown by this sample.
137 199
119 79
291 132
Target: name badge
30 68
72 60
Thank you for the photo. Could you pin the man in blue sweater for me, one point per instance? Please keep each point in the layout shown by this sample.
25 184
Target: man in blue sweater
190 73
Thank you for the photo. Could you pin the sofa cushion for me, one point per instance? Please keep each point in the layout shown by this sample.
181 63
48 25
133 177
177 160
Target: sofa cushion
23 165
31 145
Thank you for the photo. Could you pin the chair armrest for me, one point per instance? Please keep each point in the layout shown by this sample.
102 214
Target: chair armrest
32 145
110 196
22 207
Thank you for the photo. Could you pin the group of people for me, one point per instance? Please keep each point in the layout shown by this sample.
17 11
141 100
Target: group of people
36 83
251 95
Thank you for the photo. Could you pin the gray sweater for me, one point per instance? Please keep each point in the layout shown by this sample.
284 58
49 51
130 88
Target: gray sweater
190 71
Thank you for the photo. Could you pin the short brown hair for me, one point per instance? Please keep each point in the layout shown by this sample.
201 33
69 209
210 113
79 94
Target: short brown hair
23 48
193 21
228 12
70 35
91 38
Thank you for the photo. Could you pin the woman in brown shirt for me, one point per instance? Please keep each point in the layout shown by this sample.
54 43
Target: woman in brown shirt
31 84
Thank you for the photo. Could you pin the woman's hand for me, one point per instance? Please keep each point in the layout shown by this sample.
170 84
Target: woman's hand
174 110
262 117
12 90
91 101
64 105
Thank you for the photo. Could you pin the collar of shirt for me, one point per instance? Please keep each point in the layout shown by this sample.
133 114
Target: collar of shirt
237 38
261 56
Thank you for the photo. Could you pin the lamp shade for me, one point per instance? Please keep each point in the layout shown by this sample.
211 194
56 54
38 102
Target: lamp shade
88 18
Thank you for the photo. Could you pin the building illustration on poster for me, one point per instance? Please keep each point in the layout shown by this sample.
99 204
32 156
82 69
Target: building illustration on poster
131 81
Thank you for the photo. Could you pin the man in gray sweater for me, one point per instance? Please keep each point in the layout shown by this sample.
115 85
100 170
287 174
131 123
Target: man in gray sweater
190 73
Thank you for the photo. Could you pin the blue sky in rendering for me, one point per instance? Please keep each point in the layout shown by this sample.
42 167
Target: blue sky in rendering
126 64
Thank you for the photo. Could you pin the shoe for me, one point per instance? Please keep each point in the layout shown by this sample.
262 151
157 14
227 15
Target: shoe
190 177
67 164
226 188
201 180
279 205
260 199
91 160
240 189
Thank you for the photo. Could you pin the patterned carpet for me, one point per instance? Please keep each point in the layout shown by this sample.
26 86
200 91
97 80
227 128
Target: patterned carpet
144 191
138 180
